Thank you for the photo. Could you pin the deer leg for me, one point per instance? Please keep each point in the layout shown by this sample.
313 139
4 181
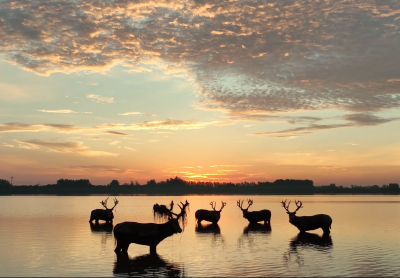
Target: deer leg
153 249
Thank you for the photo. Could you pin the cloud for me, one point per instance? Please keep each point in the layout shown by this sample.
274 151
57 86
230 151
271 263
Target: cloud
63 147
116 133
147 125
245 56
114 142
8 145
66 111
102 168
136 113
100 98
356 120
22 127
128 148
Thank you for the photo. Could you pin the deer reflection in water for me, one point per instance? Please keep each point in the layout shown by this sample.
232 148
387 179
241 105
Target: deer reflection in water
309 241
104 230
257 228
255 234
212 231
208 229
312 240
146 265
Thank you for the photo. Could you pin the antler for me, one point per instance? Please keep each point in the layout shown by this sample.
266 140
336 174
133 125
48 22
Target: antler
297 204
239 204
115 203
223 205
183 209
213 205
104 203
250 202
171 205
284 205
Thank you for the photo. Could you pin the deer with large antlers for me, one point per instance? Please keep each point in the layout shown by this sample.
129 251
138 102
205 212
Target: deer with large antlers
150 234
103 214
307 223
255 216
212 216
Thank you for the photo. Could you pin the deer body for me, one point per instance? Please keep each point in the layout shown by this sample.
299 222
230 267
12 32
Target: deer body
150 234
103 214
255 216
258 216
308 223
212 216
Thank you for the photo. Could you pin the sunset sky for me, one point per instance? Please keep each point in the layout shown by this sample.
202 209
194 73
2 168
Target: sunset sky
201 89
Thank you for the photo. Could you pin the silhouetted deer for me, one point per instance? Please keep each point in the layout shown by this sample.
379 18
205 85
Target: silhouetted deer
161 212
212 216
255 216
149 234
103 214
307 223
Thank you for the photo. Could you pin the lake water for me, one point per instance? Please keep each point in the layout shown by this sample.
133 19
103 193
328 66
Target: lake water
51 236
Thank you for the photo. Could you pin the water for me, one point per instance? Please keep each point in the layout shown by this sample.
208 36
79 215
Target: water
51 236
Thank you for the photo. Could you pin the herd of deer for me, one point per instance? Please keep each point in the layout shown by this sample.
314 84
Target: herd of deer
151 234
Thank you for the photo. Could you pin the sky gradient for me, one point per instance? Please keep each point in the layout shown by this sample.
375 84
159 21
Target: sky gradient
204 90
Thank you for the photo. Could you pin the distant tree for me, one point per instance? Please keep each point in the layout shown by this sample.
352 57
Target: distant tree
151 183
114 183
5 184
393 186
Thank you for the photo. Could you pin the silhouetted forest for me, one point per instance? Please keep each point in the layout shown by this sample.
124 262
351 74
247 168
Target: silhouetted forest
178 186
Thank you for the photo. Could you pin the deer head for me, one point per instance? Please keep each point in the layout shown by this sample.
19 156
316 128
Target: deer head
109 210
239 204
292 215
213 204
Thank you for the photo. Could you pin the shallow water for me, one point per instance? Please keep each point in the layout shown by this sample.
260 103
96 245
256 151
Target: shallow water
51 236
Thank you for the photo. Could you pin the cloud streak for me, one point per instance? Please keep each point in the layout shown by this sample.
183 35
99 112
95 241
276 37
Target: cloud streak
100 98
63 147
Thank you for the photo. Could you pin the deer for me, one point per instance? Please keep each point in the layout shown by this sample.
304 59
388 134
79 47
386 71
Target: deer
212 216
150 234
255 216
103 214
308 223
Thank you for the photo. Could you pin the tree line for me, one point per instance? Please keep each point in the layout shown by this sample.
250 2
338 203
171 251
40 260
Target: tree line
178 186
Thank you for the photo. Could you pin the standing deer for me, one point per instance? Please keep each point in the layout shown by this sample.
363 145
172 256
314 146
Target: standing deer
255 216
149 234
307 223
103 214
212 216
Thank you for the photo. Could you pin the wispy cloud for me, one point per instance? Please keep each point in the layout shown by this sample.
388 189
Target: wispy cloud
8 145
100 98
62 147
65 111
136 113
114 142
131 149
116 133
104 128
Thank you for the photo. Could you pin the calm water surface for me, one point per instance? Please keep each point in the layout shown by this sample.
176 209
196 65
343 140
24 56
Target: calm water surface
51 236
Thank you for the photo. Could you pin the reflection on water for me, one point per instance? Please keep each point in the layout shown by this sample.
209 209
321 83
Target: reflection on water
312 240
146 266
208 229
304 242
212 231
103 228
257 228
